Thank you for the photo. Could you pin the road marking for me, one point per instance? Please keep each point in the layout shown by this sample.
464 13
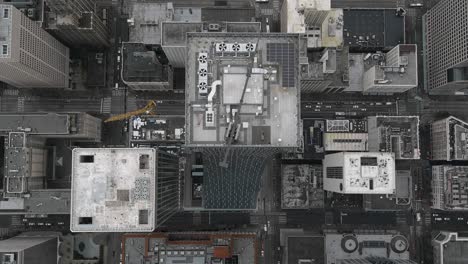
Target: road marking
20 104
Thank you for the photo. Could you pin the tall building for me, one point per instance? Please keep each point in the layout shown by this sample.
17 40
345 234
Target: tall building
242 106
397 134
26 156
30 57
25 165
29 249
322 25
123 190
450 187
77 23
450 248
142 70
359 173
446 65
345 135
75 126
397 72
190 247
449 139
367 248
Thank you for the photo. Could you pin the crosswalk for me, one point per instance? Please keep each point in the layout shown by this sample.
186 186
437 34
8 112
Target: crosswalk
276 5
16 220
401 218
282 219
256 219
106 105
20 104
11 92
427 219
131 104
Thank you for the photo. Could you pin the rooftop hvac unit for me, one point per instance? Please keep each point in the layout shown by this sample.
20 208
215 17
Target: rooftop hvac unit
202 88
203 58
202 72
247 47
213 27
235 47
403 60
221 47
209 118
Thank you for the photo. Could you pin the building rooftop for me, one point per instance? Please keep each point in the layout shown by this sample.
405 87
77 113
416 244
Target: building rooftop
35 124
450 187
299 245
345 135
397 134
146 21
248 97
5 30
222 13
30 248
373 29
160 129
301 186
360 172
175 33
341 247
46 201
142 63
322 25
330 67
458 132
194 248
391 72
113 190
450 247
80 126
400 200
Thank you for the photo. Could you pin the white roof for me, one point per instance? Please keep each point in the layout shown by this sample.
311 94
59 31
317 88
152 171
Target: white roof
358 176
362 172
113 190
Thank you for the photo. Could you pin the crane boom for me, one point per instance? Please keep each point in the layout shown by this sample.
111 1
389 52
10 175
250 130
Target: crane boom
148 109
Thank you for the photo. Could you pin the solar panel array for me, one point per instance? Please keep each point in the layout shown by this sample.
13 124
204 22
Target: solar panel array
284 54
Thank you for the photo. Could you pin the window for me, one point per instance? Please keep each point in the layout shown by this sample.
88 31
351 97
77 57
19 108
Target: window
87 159
335 172
85 220
368 161
6 13
4 49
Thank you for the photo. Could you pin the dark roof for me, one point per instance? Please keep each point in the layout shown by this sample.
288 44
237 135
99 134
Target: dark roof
141 64
227 14
382 27
306 248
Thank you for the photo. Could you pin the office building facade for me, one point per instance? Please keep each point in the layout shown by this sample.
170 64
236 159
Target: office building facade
77 23
448 139
446 56
30 57
29 249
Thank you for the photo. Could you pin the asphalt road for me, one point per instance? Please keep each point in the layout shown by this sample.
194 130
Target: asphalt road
44 104
350 109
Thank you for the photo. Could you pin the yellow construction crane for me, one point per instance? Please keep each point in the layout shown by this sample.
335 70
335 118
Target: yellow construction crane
147 110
